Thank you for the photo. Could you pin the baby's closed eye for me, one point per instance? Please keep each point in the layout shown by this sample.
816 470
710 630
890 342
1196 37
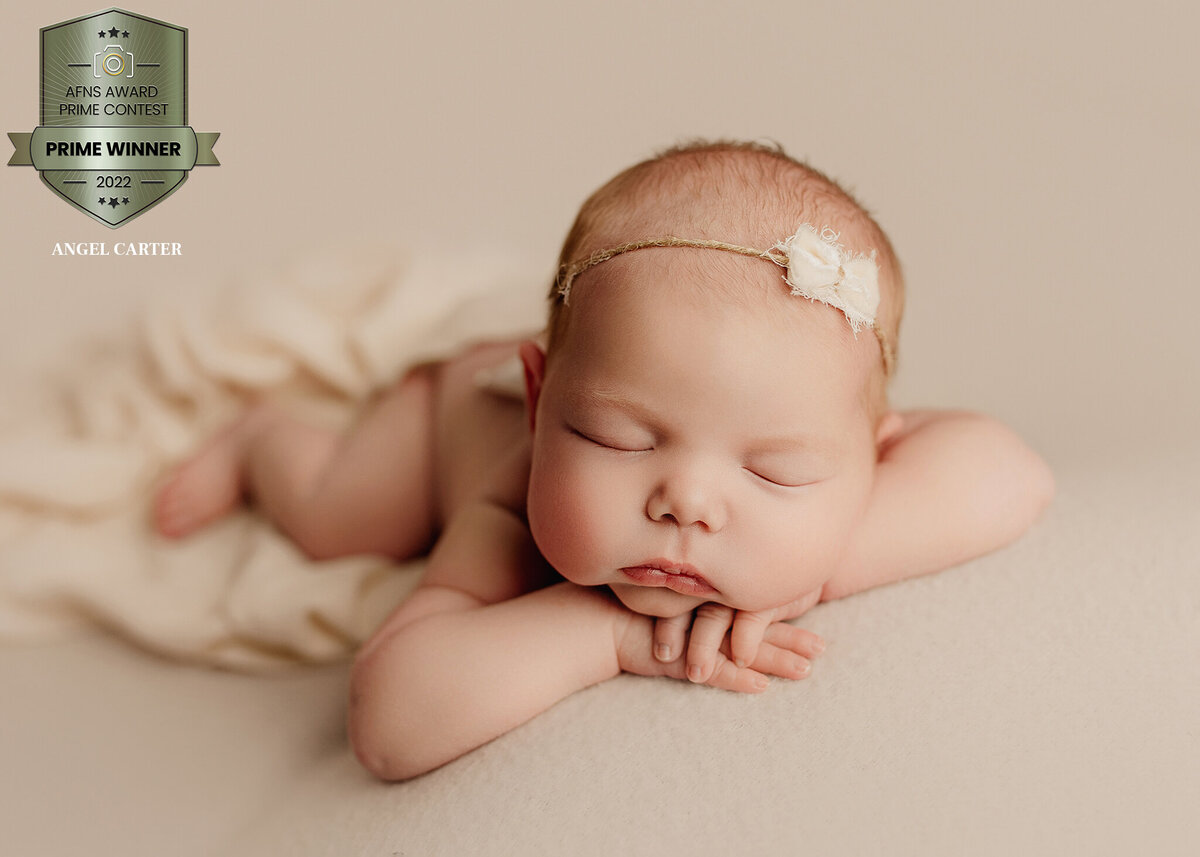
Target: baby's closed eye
785 472
780 481
615 442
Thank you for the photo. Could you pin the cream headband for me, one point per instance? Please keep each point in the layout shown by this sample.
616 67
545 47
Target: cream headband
816 267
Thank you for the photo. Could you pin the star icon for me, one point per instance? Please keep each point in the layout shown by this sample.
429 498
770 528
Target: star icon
103 34
124 200
114 32
124 34
101 201
113 202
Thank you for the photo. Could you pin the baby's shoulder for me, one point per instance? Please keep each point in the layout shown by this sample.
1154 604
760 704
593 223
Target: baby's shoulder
508 484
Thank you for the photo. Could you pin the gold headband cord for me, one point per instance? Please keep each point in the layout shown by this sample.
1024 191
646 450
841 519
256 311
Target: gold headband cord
567 273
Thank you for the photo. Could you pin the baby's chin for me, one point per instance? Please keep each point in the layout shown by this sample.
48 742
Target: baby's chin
655 601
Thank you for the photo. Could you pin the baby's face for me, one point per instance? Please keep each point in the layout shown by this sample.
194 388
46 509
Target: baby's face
680 427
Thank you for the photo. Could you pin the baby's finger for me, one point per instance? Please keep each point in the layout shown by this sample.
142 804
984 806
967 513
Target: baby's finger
669 635
784 663
747 633
708 632
728 676
798 640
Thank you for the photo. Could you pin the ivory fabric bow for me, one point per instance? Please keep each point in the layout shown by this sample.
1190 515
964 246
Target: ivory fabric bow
820 269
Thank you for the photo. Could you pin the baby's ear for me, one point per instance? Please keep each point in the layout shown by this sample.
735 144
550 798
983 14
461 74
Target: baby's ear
534 360
889 427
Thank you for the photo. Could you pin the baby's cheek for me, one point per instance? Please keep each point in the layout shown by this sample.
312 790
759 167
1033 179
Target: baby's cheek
565 518
831 537
797 552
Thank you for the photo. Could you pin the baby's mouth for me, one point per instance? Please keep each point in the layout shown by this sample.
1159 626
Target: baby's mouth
676 576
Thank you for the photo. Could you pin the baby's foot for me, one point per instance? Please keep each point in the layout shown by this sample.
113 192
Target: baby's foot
210 483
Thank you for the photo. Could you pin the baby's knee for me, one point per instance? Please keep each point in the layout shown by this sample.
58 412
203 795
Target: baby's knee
314 549
418 382
319 538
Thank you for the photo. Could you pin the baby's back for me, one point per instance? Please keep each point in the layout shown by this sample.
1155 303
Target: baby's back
475 428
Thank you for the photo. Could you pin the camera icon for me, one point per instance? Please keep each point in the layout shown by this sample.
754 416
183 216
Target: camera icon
113 61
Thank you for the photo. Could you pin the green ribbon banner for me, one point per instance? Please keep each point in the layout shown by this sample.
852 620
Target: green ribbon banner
163 147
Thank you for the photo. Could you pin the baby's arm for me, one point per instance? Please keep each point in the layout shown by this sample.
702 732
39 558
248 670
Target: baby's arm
471 654
949 487
467 657
484 644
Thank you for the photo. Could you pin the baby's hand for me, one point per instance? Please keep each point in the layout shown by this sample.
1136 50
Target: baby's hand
756 642
764 643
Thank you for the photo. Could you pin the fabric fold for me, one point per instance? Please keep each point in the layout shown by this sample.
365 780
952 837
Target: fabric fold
79 468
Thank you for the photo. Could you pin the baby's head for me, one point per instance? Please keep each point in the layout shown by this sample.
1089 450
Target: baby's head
744 194
691 414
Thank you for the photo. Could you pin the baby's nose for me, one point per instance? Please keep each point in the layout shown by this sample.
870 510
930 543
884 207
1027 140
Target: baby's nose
686 501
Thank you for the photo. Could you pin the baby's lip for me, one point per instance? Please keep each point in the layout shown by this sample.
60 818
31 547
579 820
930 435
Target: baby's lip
678 576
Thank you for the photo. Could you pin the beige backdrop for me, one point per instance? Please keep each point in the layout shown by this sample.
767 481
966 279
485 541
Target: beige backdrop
1033 163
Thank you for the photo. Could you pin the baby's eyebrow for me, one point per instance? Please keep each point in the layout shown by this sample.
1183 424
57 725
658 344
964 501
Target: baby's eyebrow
613 399
795 442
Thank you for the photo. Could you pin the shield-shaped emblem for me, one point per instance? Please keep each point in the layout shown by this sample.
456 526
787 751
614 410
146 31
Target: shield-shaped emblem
114 138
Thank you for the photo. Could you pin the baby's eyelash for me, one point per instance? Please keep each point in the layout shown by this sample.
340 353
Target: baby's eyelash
771 481
603 444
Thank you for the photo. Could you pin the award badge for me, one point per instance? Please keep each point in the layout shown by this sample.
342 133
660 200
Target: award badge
114 138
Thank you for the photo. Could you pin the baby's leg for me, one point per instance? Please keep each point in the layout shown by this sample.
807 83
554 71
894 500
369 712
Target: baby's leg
368 491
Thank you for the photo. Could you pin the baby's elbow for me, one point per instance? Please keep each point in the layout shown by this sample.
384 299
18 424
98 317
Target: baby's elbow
378 752
370 749
367 751
365 737
1024 482
1044 486
1033 481
376 731
379 760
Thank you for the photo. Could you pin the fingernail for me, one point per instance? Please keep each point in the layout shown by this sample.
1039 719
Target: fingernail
694 672
804 669
741 663
663 652
819 646
761 682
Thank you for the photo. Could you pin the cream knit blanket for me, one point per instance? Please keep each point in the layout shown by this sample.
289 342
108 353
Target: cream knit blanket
78 468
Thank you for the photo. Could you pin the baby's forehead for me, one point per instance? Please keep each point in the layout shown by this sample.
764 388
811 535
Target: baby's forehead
726 356
713 292
735 288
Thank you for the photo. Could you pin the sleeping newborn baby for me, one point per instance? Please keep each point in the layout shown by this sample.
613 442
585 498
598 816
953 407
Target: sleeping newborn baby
705 451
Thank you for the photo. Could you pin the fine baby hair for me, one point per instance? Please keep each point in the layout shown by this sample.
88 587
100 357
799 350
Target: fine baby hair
752 199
